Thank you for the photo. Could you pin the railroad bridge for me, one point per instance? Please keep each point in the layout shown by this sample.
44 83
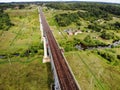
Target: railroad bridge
63 76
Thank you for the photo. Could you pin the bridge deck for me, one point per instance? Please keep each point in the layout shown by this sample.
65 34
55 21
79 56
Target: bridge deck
65 77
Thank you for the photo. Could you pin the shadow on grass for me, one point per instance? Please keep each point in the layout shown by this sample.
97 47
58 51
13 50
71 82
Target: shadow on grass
50 75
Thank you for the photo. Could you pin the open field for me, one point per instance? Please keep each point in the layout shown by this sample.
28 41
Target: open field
22 67
24 33
29 74
92 71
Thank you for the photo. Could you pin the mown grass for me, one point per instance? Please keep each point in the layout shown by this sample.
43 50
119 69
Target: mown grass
23 72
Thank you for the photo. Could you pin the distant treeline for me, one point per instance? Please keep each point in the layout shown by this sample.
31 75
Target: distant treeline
5 6
67 18
110 8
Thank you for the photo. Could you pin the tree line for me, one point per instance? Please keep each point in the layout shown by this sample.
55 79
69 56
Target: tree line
109 8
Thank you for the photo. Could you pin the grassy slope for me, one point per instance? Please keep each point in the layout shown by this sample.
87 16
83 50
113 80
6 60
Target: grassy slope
23 73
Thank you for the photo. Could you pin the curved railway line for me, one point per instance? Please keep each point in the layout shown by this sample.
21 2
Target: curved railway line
66 79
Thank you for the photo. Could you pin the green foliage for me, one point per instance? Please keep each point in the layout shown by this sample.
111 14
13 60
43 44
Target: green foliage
5 22
77 41
109 35
62 20
118 56
107 55
32 50
90 41
94 11
68 45
111 9
66 19
94 14
12 6
94 27
97 8
112 26
91 14
116 25
78 23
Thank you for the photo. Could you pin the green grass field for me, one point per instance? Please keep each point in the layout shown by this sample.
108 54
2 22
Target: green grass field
92 72
23 72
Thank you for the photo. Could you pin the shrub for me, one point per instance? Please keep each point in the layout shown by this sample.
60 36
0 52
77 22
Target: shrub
118 56
109 35
109 56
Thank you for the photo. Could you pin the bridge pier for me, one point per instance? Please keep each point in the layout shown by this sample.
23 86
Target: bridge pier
46 57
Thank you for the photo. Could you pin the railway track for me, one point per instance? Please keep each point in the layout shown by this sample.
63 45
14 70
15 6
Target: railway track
66 79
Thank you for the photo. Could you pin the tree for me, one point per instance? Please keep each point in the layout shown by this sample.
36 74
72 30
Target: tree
94 27
109 35
5 22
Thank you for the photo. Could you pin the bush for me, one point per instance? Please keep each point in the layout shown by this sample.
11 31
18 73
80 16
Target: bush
66 19
109 35
109 56
118 56
32 50
68 45
116 25
94 27
90 41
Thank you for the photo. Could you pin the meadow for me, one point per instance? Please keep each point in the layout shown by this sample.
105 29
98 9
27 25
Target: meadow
21 52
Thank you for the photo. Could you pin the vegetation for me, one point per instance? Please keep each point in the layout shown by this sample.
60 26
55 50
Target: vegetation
5 22
12 6
109 56
92 71
96 68
68 45
91 41
109 35
113 9
21 52
94 27
116 25
66 19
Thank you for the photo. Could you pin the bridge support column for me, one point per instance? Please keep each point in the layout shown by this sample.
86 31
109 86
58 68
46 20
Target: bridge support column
46 57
